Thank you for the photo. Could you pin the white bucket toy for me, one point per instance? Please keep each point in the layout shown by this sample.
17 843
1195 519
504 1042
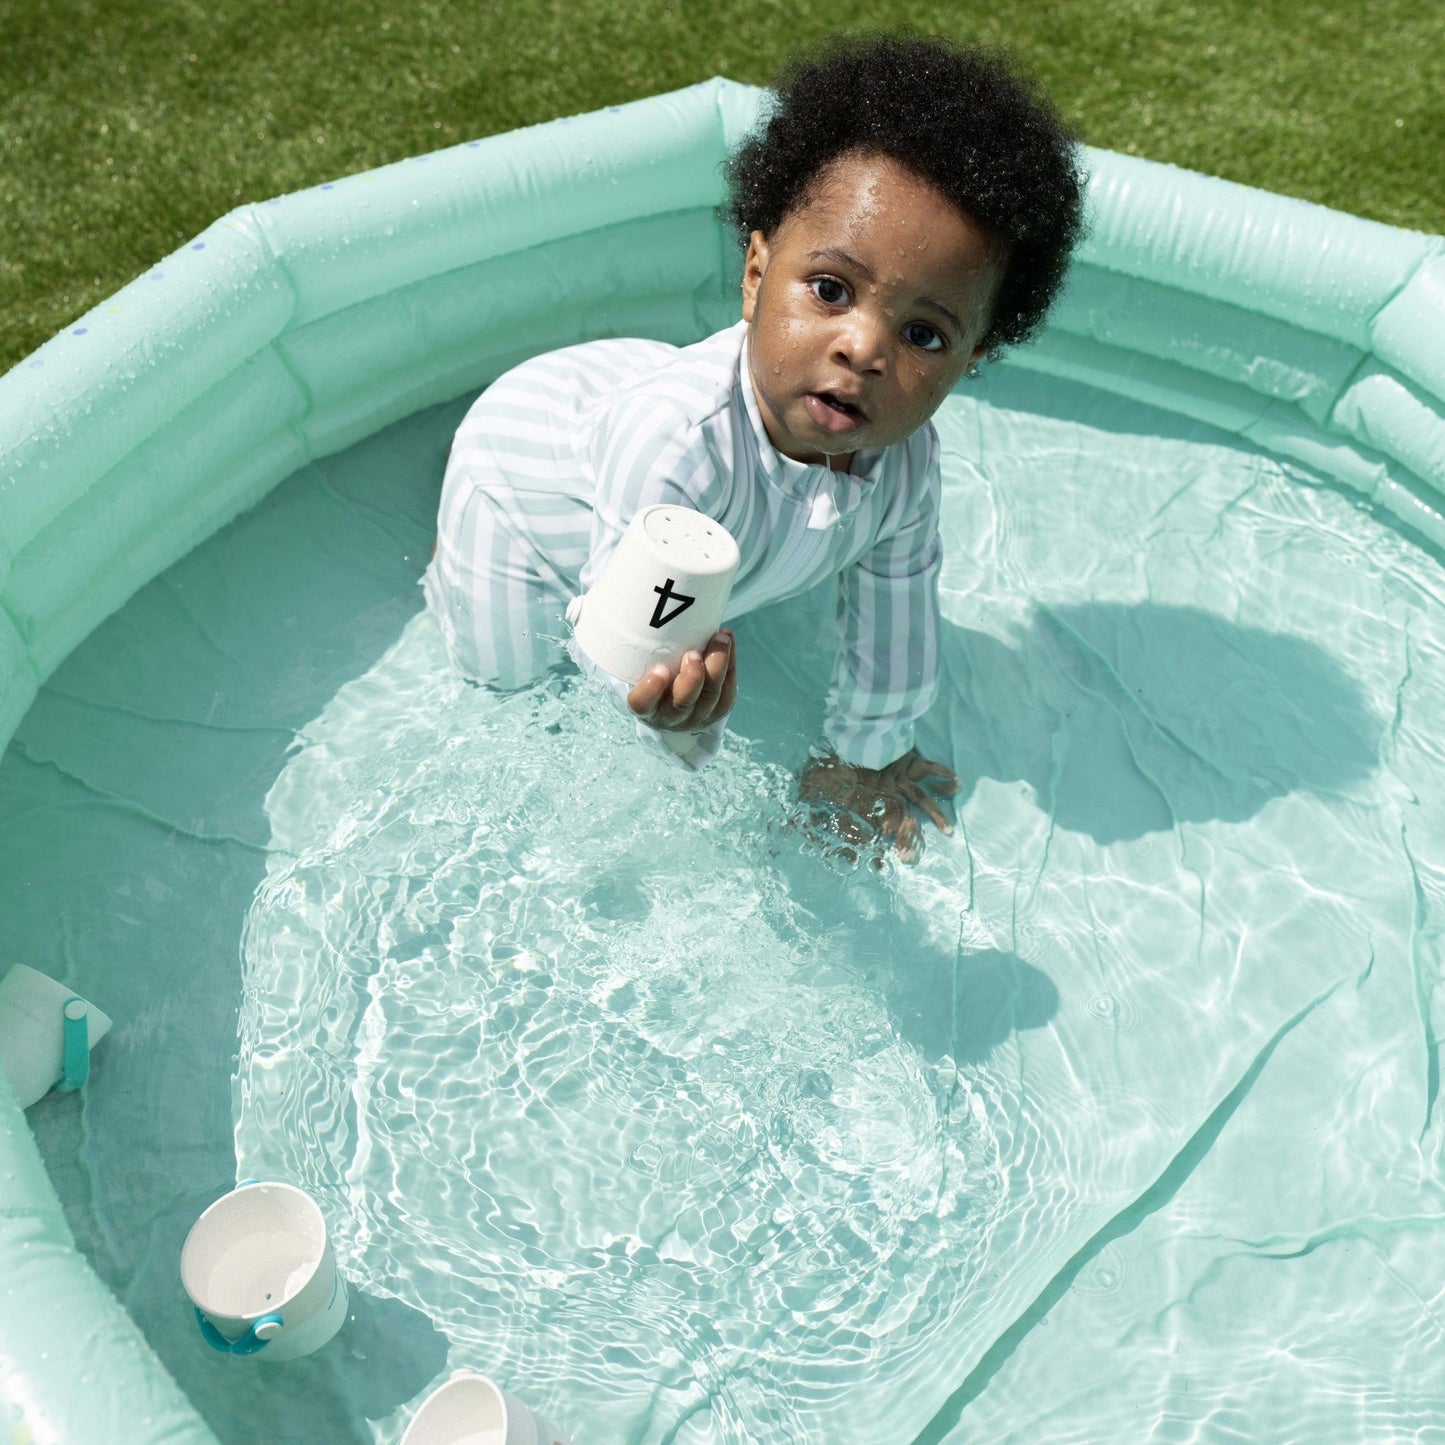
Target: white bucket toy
259 1269
663 592
46 1034
470 1410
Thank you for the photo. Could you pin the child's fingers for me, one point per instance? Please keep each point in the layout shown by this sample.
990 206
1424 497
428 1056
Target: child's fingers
645 698
730 683
717 665
687 686
908 840
702 690
664 700
939 778
926 804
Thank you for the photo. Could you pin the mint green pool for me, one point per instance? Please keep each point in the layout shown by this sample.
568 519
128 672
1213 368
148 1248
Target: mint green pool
1114 1119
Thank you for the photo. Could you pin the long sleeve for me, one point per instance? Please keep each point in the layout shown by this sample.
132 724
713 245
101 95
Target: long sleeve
643 452
886 673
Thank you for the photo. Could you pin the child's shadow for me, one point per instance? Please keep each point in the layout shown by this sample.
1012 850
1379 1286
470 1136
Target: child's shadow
1125 720
964 1011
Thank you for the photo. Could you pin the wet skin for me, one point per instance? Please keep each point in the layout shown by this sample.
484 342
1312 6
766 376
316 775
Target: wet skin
864 309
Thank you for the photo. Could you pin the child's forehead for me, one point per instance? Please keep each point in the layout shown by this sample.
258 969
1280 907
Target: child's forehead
862 186
864 197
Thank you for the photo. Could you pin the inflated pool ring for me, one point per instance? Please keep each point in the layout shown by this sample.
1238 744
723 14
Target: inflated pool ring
291 329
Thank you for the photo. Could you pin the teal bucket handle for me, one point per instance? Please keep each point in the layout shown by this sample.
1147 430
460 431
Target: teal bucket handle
248 1344
75 1069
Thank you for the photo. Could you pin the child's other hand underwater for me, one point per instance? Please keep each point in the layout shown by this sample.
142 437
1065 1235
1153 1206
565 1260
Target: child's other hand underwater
863 804
700 692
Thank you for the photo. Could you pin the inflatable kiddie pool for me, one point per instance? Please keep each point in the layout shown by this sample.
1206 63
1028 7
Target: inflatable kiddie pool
292 330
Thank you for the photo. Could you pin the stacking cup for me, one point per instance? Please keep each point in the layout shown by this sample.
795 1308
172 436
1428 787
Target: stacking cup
470 1410
664 591
259 1269
46 1034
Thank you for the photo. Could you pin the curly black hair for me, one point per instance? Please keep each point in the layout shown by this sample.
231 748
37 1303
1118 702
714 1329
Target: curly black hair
962 118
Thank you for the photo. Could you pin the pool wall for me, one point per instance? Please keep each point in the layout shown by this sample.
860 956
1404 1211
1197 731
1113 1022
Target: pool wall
291 329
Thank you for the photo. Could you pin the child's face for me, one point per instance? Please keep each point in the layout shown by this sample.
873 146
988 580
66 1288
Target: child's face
865 306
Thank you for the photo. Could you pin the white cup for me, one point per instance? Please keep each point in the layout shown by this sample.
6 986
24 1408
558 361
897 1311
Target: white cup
259 1269
663 591
46 1033
470 1410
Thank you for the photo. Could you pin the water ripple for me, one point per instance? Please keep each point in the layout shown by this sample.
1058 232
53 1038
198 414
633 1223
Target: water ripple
673 1151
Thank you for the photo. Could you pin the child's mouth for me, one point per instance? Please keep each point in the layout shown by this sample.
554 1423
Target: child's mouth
834 414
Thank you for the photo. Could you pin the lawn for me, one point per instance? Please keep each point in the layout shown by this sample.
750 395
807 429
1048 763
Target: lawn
126 128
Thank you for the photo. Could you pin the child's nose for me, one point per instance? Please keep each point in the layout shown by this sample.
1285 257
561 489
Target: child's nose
861 342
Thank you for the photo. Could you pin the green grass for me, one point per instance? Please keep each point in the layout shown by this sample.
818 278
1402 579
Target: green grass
127 127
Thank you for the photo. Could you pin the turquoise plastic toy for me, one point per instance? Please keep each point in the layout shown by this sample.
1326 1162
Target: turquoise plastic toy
77 1047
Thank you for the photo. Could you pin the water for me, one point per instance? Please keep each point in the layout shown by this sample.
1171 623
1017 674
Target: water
1115 1118
607 1048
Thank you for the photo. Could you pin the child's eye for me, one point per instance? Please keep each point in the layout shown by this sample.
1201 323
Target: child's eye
829 291
925 338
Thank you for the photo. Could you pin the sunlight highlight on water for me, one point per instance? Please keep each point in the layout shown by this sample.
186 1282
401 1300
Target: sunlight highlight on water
694 1134
557 1031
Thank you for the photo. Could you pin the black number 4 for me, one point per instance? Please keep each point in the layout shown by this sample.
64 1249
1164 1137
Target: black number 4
665 594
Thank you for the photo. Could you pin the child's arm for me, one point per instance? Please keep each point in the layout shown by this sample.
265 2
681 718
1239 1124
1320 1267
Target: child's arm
886 674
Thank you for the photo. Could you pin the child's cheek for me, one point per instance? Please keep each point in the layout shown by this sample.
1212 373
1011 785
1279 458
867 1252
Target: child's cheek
786 335
927 384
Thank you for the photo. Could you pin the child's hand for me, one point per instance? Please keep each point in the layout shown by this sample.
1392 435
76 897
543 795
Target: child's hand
865 803
702 691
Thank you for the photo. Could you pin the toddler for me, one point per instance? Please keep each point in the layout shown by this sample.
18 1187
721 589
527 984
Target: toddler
908 208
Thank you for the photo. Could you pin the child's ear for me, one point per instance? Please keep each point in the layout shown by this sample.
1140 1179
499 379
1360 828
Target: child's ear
754 264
